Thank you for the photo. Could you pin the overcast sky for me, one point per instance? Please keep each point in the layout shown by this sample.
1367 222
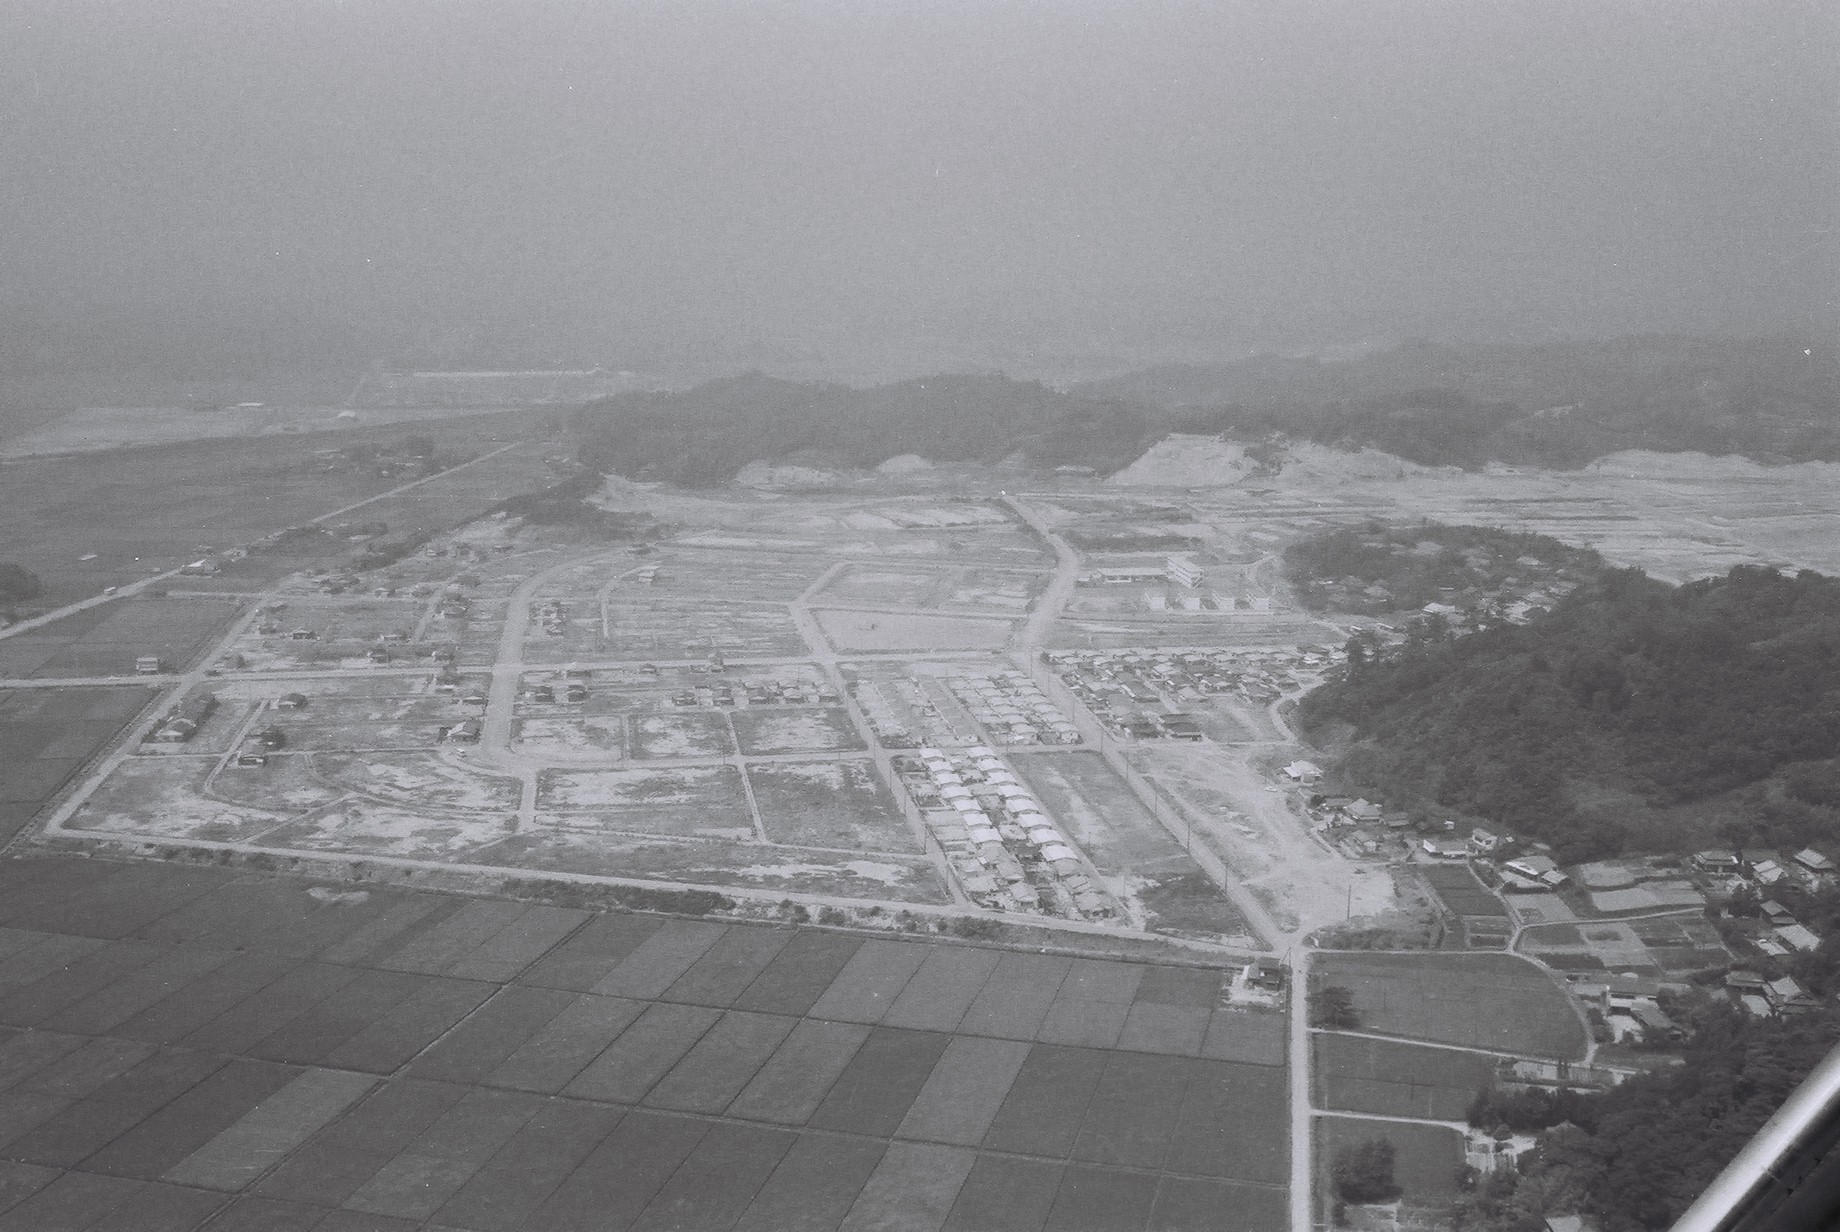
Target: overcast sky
630 181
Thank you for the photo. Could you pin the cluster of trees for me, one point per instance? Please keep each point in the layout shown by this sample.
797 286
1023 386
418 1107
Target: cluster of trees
1636 1155
1559 405
701 437
18 583
1464 566
1725 688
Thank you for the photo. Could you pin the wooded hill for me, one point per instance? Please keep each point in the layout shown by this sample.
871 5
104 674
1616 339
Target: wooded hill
1557 406
1630 706
701 437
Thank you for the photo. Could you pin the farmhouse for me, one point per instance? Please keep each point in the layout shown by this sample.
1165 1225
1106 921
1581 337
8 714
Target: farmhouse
1798 937
1303 771
1540 869
1445 848
1715 861
1786 996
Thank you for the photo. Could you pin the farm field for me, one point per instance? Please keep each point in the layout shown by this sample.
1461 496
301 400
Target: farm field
137 512
1388 1078
1489 1001
393 1058
106 640
1427 1158
1676 945
46 735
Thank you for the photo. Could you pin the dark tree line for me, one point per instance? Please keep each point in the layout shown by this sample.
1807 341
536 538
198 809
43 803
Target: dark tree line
1636 1155
1679 694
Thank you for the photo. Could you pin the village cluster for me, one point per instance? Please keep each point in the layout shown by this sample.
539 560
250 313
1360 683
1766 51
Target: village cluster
1004 850
1149 693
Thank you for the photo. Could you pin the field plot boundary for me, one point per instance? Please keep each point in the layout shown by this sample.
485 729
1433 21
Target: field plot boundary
458 877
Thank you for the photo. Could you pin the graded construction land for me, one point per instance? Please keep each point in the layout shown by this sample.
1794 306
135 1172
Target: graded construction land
201 1048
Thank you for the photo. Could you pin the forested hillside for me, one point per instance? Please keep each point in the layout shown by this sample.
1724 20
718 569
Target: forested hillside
703 436
1559 405
1480 570
1630 702
1637 1155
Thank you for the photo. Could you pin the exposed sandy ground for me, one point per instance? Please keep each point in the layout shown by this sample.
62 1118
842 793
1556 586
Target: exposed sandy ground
1303 885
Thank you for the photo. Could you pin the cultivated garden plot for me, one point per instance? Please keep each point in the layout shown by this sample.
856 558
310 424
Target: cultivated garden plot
832 804
796 730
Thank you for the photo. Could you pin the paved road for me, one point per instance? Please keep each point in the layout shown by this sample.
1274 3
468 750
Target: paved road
1303 1180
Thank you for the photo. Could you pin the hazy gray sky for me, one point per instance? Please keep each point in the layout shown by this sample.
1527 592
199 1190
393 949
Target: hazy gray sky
588 180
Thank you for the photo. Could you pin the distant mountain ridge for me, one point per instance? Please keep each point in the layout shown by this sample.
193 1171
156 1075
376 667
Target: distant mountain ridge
1558 406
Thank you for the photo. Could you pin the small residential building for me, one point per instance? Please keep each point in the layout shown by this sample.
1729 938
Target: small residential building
1798 937
1365 810
1627 990
1777 914
1814 861
1303 771
1715 861
1182 571
1786 996
1537 868
1445 848
1755 1005
1483 842
1743 982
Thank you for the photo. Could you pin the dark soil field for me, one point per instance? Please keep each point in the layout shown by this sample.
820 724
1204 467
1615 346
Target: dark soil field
46 735
141 511
106 640
1492 1001
193 1047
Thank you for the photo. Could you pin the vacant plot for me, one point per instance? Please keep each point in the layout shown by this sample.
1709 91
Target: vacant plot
803 730
158 797
706 802
835 804
604 849
660 736
417 780
1492 1001
1426 1160
1385 1078
873 631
